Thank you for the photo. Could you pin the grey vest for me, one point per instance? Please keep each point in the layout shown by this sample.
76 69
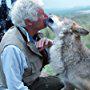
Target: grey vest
33 57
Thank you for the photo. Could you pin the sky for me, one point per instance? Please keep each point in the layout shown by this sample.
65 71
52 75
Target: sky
65 3
62 3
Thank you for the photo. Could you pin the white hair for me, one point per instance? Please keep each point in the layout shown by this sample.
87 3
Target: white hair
23 9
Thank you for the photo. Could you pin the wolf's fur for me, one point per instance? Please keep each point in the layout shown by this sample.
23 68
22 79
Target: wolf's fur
70 58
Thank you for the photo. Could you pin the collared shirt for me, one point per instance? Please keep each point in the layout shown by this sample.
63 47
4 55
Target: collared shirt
14 63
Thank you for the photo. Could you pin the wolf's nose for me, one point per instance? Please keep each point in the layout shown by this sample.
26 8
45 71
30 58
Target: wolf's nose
48 21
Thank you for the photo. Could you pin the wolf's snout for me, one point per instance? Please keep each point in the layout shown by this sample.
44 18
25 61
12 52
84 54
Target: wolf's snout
49 21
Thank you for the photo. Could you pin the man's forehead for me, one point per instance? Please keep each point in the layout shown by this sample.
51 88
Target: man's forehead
40 10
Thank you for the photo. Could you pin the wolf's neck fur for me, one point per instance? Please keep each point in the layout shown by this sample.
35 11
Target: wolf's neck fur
73 52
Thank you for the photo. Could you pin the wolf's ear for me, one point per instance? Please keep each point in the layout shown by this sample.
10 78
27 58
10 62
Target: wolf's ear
76 28
81 31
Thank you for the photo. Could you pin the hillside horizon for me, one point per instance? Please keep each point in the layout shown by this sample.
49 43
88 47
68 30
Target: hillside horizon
67 10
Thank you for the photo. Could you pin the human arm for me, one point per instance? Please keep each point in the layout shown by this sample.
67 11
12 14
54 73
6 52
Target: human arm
44 43
41 45
14 63
52 68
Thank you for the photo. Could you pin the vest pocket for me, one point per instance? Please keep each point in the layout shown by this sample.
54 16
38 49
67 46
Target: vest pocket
27 72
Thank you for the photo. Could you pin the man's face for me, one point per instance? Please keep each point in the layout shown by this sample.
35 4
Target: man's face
41 19
35 26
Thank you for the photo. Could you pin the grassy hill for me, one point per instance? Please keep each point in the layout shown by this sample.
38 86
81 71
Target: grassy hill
84 21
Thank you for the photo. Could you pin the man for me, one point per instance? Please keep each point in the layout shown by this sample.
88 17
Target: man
23 53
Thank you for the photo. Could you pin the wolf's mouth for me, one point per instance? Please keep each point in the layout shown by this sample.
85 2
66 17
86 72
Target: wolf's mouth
49 22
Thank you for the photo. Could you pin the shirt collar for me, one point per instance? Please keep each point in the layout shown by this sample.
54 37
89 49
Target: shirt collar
29 37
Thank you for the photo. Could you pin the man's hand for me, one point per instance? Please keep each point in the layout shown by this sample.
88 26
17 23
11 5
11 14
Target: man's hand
44 74
44 43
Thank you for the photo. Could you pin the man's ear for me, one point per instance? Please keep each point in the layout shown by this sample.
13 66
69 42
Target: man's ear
81 31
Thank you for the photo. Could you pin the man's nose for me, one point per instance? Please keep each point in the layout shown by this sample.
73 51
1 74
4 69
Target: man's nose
45 16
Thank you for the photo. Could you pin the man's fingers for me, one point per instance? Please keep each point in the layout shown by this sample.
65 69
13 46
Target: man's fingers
43 43
40 43
46 42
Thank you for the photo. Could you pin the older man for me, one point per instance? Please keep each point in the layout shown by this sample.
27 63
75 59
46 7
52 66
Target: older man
23 51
